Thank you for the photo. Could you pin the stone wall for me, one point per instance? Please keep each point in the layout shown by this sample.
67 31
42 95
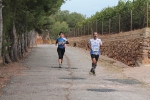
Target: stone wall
131 48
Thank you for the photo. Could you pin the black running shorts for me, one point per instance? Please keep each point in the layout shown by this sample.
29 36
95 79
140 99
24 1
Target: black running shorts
95 56
60 52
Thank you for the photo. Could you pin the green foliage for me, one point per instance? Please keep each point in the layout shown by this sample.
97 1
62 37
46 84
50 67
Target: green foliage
70 18
63 21
57 27
74 18
62 16
29 14
120 13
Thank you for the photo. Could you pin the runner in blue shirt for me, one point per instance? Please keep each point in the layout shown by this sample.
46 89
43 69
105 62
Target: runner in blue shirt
94 45
61 48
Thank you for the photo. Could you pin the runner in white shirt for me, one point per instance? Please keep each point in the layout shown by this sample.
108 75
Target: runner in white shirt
94 44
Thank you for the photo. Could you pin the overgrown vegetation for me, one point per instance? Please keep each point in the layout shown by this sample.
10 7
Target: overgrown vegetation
127 15
23 18
64 21
20 20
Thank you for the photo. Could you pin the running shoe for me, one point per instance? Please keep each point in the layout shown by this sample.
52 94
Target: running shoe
90 73
60 65
94 73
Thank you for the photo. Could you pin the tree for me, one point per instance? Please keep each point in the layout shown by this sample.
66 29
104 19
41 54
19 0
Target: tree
59 27
20 18
62 16
119 17
1 27
74 18
70 18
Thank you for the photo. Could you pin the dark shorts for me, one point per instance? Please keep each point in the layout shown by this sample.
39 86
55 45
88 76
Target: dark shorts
95 56
60 52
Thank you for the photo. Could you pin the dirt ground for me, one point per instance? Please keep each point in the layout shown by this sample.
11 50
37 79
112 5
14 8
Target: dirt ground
140 73
6 71
12 69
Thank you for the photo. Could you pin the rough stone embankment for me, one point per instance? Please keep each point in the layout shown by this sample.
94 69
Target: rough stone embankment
131 48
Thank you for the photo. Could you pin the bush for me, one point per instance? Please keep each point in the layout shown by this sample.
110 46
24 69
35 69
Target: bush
74 44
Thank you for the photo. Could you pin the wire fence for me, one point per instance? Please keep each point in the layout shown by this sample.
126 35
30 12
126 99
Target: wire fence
116 24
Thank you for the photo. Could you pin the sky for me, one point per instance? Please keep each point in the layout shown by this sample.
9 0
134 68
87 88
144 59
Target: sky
87 7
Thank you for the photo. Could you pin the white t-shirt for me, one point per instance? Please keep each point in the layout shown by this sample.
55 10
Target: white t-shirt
95 46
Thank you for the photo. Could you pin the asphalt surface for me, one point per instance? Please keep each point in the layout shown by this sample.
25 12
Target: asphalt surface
45 81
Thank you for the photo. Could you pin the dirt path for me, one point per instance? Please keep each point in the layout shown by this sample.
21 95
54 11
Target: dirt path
45 81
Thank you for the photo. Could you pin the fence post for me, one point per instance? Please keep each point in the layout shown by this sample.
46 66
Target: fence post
81 30
102 27
74 33
77 32
147 14
88 29
119 24
86 32
84 29
96 25
109 25
68 33
91 29
131 20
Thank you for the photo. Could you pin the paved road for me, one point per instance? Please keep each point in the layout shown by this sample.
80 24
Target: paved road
45 81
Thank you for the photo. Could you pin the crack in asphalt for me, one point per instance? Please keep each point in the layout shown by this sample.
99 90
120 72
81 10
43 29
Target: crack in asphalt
70 83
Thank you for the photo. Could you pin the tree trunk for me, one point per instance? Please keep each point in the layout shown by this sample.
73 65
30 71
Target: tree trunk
31 39
19 47
32 42
22 45
14 35
14 45
28 39
1 28
25 42
6 57
11 47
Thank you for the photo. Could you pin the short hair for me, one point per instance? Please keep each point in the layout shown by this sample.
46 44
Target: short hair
94 32
60 33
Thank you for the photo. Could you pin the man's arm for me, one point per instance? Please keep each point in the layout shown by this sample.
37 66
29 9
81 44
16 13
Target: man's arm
100 43
67 42
89 45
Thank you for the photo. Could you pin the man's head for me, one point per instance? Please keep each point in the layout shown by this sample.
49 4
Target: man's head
95 34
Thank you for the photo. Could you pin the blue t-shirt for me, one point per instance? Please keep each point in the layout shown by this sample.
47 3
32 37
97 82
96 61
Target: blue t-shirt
61 43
